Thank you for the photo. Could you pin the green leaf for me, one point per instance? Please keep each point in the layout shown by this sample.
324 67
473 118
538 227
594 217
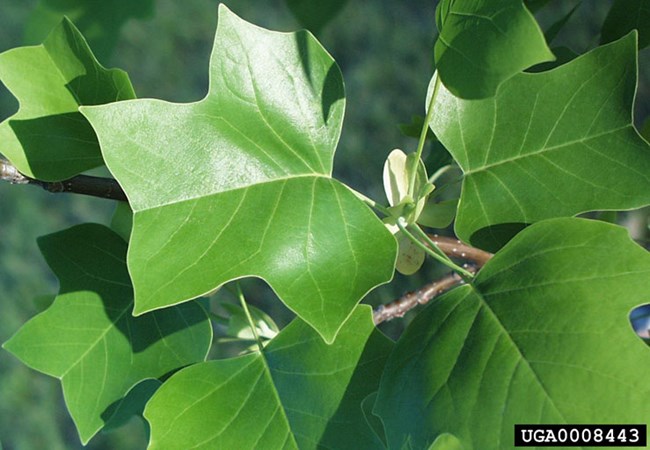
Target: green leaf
89 339
48 138
238 184
42 302
237 325
438 214
625 16
300 393
550 144
315 15
562 56
645 130
446 441
553 30
132 404
122 220
510 41
542 336
372 420
414 128
100 20
535 5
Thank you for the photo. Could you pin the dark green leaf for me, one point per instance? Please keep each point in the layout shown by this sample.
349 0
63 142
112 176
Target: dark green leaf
372 420
542 336
315 15
300 393
414 129
42 302
122 220
438 214
562 56
551 144
625 16
536 5
552 31
132 404
89 339
483 43
48 138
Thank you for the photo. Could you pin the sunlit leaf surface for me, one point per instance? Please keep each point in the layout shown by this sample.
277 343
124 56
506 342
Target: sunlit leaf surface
48 138
242 183
550 144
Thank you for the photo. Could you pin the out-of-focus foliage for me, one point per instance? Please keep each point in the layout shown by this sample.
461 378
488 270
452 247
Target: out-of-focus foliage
627 15
101 20
315 15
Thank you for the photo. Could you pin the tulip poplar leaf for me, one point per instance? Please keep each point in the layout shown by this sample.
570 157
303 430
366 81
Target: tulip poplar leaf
541 336
90 341
48 138
482 43
625 16
239 183
298 393
549 144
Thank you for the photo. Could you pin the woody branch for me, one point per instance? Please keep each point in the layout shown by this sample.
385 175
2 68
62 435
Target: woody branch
453 248
81 184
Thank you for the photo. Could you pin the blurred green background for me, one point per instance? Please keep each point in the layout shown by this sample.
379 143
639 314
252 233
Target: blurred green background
384 50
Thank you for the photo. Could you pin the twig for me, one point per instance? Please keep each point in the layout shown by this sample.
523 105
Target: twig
455 248
81 184
422 296
451 247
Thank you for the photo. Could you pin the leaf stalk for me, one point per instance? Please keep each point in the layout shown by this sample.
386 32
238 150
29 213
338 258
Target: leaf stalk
423 135
249 317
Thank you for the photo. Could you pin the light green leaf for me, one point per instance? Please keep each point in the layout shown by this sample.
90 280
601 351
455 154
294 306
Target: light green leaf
88 338
300 393
100 20
550 144
315 15
542 336
510 41
239 183
410 257
47 138
397 173
237 325
625 16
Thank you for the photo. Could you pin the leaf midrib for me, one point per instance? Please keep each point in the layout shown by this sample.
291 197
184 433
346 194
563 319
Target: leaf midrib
486 306
543 150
